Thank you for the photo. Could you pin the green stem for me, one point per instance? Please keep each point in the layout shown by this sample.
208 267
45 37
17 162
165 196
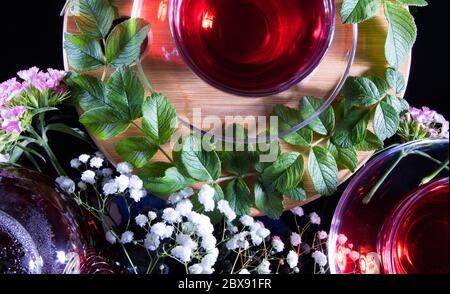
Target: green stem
129 258
44 143
144 77
159 147
433 175
377 186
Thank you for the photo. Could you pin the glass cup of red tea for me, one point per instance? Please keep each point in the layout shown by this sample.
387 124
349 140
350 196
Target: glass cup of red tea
252 47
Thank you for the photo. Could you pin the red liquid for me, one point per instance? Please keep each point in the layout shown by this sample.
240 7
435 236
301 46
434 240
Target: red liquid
415 239
253 46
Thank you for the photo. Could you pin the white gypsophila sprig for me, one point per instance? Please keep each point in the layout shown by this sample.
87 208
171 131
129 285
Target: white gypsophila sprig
206 197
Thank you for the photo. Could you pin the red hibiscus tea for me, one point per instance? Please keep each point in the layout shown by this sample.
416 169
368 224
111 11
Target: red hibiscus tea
253 47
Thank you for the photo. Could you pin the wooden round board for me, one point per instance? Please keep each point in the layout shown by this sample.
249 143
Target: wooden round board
169 75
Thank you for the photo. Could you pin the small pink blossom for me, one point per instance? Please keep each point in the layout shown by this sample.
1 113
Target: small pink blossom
10 119
342 239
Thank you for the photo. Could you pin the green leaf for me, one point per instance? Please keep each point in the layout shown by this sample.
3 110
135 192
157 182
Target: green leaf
381 84
94 18
92 93
297 194
395 80
65 129
238 194
402 33
353 129
271 150
104 122
420 3
199 163
386 121
123 45
163 179
159 119
285 173
323 171
289 118
346 158
126 92
370 143
322 125
271 204
356 11
361 92
136 150
399 104
83 52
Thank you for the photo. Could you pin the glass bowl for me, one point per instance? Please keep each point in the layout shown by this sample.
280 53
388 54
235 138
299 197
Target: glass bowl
204 108
404 227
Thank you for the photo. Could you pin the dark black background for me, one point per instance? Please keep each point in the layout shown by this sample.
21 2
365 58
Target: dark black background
31 34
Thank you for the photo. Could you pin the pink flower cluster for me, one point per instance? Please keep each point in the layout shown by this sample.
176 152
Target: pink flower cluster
435 123
31 78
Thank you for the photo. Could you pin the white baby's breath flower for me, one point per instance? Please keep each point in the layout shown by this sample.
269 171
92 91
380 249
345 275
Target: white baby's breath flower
292 259
186 241
141 220
247 220
323 235
277 244
298 211
122 183
162 230
239 241
206 197
96 162
256 239
184 207
187 192
320 258
88 177
136 183
99 154
188 228
263 233
196 269
84 158
208 271
82 186
75 163
152 216
171 216
152 242
66 184
209 242
342 239
210 259
110 237
127 237
244 272
125 168
174 198
137 195
110 188
296 239
182 253
107 172
225 208
264 268
315 218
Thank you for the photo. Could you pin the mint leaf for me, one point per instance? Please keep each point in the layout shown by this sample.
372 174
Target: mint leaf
83 52
237 158
323 171
402 33
123 45
361 92
271 204
353 128
381 84
95 17
399 104
322 125
104 122
92 93
238 194
370 143
285 173
163 179
346 158
200 164
420 3
136 150
356 11
126 92
159 119
297 194
386 121
289 118
396 80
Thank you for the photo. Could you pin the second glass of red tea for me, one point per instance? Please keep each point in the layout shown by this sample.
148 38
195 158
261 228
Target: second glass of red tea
252 47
